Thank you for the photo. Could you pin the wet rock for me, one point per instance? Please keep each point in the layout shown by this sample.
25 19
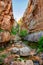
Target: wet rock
34 37
25 51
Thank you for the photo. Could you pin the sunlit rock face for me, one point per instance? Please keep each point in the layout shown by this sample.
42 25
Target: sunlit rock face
33 16
6 19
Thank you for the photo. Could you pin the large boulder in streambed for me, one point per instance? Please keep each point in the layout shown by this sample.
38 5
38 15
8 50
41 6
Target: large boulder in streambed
25 51
34 37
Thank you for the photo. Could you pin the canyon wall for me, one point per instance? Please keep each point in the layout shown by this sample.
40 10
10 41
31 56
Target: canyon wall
33 16
6 19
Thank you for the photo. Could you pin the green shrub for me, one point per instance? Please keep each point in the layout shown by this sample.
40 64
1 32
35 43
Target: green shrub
40 44
14 31
1 61
23 33
1 30
4 55
1 49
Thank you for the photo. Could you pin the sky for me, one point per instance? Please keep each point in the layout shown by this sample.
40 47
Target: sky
19 7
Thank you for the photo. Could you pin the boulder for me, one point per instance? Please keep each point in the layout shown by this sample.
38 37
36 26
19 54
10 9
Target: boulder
25 51
34 37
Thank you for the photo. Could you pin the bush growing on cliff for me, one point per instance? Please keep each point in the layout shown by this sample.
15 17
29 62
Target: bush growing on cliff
1 30
40 44
23 33
15 30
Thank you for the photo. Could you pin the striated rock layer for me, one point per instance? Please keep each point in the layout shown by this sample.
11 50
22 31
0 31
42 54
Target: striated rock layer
6 19
33 16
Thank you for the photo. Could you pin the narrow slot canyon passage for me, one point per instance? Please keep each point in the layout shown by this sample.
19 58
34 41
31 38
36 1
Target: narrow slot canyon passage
21 32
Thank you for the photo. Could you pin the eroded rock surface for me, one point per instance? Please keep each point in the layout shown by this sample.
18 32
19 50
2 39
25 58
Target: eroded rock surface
4 36
33 16
6 19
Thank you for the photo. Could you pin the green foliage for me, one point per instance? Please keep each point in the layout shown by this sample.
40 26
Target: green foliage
1 61
3 55
1 30
1 49
14 30
23 33
40 44
18 59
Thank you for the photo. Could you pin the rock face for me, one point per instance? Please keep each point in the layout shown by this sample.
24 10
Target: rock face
4 36
6 19
34 37
33 16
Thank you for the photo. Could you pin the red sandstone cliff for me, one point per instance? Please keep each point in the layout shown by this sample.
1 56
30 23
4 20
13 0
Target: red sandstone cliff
33 16
6 19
